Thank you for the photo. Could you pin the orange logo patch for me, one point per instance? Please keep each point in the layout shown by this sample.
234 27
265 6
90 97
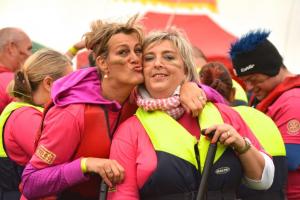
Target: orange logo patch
45 155
293 127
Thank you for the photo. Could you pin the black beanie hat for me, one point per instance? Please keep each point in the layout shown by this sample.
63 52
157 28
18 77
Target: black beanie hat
253 53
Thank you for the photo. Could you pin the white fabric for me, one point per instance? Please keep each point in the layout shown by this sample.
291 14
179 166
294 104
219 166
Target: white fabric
267 176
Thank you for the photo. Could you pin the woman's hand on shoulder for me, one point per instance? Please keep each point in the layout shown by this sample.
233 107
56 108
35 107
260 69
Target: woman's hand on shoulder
109 170
192 98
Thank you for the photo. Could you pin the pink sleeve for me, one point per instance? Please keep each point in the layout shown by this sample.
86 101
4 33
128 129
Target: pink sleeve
60 137
5 99
231 117
124 150
21 129
51 180
286 115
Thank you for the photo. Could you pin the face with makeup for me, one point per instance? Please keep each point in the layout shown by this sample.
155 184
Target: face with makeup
163 69
123 64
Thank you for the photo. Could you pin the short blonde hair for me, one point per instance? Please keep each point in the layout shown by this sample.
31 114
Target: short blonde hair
45 62
101 32
177 38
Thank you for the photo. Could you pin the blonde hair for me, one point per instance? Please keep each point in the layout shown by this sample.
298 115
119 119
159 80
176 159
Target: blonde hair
43 63
177 38
101 32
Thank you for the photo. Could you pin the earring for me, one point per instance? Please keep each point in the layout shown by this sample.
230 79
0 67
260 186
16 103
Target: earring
105 76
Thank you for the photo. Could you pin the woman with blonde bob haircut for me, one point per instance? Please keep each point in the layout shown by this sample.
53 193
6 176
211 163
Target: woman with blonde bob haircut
183 46
160 146
20 120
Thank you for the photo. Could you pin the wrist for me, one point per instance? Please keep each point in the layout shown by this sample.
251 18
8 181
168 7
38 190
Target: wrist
73 50
245 148
83 165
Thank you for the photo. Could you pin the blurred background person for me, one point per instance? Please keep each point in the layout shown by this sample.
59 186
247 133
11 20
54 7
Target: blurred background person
15 47
217 76
21 119
258 63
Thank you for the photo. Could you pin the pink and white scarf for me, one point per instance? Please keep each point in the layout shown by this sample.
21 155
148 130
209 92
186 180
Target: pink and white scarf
170 105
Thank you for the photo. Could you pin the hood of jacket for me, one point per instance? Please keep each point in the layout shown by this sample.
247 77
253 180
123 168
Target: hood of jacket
81 86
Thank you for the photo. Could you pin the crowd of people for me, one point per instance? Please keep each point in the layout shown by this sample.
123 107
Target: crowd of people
141 118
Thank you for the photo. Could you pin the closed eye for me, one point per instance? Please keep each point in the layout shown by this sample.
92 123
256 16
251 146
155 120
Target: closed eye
169 57
148 57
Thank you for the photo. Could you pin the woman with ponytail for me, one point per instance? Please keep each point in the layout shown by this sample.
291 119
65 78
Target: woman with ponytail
20 120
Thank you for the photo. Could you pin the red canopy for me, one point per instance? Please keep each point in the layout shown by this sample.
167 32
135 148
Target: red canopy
202 32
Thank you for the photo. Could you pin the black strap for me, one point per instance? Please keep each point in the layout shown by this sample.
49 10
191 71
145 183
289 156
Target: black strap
106 120
115 126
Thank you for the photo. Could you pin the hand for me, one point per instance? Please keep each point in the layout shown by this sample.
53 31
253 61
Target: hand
80 45
192 98
74 49
110 170
226 135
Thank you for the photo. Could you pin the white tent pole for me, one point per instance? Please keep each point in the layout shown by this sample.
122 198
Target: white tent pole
171 18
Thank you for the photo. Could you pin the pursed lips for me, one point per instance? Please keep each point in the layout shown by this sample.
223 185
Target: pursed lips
138 68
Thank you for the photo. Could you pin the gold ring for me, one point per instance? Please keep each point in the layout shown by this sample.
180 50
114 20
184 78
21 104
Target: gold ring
228 133
200 97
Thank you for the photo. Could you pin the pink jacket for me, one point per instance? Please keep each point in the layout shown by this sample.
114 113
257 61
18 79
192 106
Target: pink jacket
5 77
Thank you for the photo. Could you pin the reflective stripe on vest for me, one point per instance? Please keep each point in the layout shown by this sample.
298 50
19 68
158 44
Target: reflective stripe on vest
163 129
264 129
4 116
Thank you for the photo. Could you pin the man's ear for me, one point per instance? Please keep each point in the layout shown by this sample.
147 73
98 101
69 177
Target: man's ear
47 83
102 64
12 48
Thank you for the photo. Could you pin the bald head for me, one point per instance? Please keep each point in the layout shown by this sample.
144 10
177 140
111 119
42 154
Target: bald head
15 47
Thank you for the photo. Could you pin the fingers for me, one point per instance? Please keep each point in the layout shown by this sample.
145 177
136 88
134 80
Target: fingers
104 175
186 108
111 171
225 134
116 173
192 98
198 105
195 105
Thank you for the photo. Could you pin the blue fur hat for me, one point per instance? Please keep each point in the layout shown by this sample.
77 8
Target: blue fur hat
254 53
